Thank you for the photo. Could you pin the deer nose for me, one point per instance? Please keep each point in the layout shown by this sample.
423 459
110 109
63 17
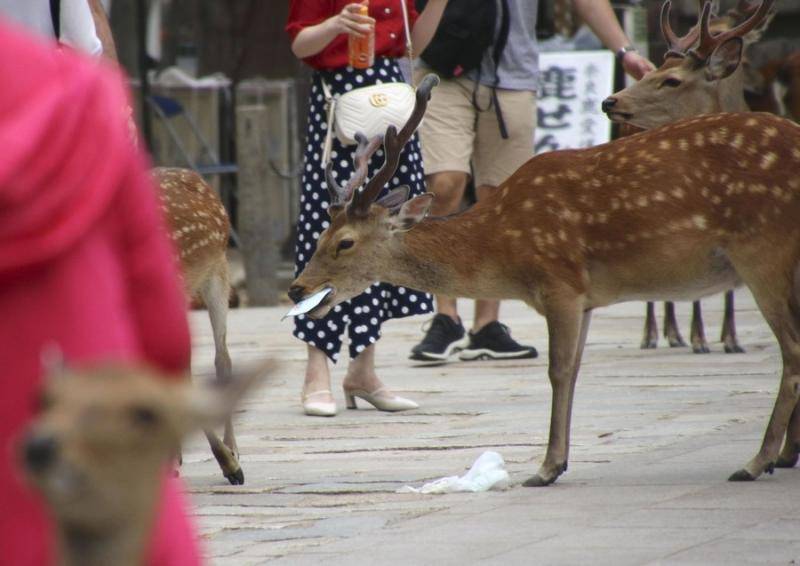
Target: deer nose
39 451
608 104
296 293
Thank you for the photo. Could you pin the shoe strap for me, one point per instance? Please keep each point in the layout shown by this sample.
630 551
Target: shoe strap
307 396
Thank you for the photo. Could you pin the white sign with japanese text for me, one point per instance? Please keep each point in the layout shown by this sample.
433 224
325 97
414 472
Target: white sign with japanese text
571 87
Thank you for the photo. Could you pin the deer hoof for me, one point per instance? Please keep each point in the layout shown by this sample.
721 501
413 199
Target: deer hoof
733 349
786 461
236 477
701 349
741 475
677 343
649 344
538 481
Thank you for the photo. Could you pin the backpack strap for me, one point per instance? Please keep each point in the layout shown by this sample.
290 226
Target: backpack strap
55 14
497 53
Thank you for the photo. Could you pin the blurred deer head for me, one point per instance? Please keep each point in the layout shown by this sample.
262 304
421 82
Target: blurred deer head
351 251
100 445
699 74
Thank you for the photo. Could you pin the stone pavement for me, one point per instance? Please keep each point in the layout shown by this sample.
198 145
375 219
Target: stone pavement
655 434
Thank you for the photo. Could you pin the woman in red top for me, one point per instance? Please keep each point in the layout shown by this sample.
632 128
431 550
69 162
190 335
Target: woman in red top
85 265
319 32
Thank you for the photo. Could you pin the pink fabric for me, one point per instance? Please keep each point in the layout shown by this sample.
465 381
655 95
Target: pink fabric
85 263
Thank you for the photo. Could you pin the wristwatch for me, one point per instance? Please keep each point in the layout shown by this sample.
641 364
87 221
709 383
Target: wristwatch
622 51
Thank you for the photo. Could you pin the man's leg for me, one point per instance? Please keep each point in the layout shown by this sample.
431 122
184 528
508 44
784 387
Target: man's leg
486 311
446 137
448 186
445 335
495 158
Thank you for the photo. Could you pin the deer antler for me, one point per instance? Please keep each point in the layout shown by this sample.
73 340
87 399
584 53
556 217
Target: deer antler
677 45
393 143
361 157
709 42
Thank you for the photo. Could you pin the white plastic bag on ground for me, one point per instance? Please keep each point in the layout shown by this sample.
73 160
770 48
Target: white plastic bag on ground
488 472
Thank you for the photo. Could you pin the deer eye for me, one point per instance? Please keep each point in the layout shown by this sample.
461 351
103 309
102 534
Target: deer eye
143 416
345 245
671 82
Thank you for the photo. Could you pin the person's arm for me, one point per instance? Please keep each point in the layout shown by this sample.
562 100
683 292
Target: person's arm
313 39
599 16
78 29
426 24
103 29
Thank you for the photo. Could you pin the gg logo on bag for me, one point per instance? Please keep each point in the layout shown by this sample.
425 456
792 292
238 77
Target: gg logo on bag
379 99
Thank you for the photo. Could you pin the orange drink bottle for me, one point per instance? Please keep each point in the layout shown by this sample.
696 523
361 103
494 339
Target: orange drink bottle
361 50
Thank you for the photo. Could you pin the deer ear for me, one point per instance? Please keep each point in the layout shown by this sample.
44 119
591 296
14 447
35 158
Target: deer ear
411 213
724 59
210 405
395 198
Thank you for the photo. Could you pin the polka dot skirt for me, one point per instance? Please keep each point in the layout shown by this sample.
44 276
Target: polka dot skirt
363 315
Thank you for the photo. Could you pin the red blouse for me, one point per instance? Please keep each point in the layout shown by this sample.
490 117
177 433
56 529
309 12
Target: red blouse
389 29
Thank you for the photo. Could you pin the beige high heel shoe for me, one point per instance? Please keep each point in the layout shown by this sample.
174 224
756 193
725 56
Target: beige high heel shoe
381 399
318 408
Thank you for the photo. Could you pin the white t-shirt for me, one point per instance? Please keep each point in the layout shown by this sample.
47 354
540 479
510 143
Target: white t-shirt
77 25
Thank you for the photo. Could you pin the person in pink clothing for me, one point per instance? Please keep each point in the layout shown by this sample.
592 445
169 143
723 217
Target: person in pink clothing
85 265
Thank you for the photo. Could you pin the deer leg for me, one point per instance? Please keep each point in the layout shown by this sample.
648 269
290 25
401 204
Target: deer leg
650 334
782 312
698 333
567 329
791 446
729 327
671 331
215 293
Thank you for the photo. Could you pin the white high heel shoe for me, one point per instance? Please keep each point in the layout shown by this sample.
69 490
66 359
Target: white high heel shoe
318 408
381 399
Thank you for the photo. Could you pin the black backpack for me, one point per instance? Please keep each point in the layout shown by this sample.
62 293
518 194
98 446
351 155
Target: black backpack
464 34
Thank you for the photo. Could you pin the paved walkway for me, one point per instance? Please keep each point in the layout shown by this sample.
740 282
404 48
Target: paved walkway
654 436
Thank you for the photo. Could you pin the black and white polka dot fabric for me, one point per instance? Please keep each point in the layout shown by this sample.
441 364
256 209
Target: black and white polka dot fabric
363 315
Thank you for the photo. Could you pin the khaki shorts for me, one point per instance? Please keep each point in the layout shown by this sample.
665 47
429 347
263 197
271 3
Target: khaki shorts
454 133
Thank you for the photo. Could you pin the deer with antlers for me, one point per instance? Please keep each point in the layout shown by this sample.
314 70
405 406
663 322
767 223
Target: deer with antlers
200 228
571 231
694 79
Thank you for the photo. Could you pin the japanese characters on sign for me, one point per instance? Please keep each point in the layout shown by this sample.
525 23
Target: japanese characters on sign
571 87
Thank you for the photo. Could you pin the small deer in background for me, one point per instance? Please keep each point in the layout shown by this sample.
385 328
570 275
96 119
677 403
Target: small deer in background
677 212
200 228
694 79
100 448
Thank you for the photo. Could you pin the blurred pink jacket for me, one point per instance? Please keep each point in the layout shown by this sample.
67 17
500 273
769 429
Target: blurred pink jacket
85 263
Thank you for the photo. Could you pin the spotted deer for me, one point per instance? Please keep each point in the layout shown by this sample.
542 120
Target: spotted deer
677 212
200 227
99 449
694 79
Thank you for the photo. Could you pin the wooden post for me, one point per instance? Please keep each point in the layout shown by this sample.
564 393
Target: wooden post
256 222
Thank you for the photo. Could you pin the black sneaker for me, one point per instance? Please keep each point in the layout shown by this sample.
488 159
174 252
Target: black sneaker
443 339
494 342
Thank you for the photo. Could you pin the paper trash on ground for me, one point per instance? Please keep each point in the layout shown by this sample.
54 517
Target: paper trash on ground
488 472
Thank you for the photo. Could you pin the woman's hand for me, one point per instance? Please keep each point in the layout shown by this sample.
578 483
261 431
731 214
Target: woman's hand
315 38
636 65
350 21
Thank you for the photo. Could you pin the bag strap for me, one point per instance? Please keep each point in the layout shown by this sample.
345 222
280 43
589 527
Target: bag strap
409 46
55 14
326 149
